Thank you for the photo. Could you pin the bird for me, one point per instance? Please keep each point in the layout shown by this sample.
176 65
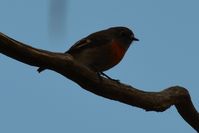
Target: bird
103 49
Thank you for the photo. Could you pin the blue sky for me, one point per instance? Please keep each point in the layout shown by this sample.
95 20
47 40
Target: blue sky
166 55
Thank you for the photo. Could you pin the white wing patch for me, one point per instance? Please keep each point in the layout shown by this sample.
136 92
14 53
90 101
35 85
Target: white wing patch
81 43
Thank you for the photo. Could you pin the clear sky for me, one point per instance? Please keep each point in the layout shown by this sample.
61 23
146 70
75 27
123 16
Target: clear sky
166 55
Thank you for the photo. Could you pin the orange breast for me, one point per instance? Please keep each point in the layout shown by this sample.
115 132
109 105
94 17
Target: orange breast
118 52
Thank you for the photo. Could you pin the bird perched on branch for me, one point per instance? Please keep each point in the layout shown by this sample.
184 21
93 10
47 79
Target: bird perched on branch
102 50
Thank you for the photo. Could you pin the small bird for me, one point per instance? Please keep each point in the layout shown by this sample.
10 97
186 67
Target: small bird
102 50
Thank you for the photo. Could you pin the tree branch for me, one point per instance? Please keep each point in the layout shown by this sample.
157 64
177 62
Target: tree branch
89 80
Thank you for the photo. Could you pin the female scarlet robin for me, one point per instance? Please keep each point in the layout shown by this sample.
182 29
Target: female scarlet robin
102 50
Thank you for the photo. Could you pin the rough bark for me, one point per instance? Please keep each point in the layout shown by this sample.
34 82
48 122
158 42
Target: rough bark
88 80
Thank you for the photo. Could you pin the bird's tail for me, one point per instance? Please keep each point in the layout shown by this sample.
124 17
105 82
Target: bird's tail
40 69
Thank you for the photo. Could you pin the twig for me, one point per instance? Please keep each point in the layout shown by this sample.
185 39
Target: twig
88 80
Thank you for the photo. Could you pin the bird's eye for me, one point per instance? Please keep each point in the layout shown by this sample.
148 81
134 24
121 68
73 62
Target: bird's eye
123 34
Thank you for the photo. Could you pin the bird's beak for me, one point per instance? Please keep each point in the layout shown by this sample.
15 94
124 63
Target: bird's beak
135 39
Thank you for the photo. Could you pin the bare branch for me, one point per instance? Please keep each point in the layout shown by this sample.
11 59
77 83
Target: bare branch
88 80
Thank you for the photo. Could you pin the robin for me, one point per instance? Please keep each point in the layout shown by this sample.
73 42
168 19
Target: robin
102 50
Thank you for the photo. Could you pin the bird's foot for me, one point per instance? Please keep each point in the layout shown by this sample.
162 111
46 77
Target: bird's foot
103 74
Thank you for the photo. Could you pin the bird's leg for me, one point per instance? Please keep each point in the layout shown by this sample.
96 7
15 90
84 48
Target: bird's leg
103 74
116 80
100 78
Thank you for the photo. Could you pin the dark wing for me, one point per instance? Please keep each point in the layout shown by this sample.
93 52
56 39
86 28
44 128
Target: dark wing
93 40
82 43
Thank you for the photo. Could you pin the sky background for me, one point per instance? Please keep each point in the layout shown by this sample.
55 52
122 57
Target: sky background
166 55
